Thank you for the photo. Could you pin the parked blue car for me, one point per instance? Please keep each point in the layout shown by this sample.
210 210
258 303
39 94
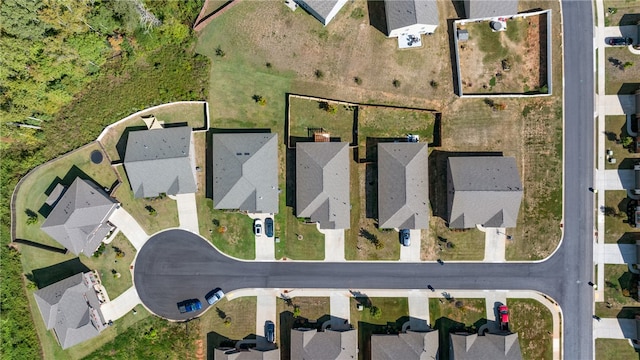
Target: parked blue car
268 227
189 305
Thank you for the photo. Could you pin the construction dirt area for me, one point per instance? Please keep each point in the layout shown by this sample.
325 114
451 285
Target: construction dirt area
512 61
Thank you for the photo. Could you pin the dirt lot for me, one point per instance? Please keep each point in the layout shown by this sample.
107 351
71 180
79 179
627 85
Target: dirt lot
505 61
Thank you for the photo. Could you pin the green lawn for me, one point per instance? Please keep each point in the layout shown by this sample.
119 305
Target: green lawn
620 288
313 312
465 244
615 349
62 170
334 118
616 228
309 247
166 209
456 315
108 264
192 115
626 12
615 130
534 324
621 80
394 313
241 315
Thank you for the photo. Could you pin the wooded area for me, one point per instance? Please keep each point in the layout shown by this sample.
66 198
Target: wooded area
71 67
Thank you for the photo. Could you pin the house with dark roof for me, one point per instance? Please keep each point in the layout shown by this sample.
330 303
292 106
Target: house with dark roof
79 220
322 183
161 161
245 172
403 185
483 190
465 346
480 9
412 345
413 17
72 309
310 344
323 10
249 354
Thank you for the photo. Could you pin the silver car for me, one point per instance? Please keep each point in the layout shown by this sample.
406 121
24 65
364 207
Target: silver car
214 296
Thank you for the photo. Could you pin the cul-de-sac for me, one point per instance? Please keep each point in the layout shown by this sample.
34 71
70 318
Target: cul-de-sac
320 179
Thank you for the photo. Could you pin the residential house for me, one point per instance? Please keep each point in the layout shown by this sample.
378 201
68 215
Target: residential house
412 345
411 17
71 308
465 346
403 185
161 161
323 10
79 219
310 344
322 183
245 172
480 9
483 190
249 354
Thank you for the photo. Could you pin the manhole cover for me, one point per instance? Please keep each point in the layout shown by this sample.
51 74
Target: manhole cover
96 156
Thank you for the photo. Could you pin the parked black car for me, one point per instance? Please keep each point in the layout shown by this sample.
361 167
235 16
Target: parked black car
620 41
268 227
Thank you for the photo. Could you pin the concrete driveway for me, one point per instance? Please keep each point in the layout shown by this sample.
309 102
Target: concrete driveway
411 253
614 329
418 310
494 244
618 179
333 244
619 254
339 307
187 212
265 245
120 306
619 104
620 31
129 227
265 311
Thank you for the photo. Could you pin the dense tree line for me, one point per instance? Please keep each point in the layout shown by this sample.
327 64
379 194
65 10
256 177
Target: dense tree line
71 67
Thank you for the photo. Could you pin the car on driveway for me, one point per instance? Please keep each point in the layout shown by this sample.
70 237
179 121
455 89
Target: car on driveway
270 331
257 227
214 296
620 41
189 306
405 237
268 227
503 313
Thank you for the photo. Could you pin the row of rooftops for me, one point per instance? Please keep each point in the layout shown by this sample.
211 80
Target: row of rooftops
310 344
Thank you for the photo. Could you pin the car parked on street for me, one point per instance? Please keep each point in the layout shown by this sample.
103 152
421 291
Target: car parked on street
257 227
189 306
214 296
270 331
620 41
405 237
268 227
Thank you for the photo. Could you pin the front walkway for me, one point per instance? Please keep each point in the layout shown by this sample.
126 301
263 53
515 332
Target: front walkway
187 212
129 227
619 254
411 253
120 306
614 329
333 244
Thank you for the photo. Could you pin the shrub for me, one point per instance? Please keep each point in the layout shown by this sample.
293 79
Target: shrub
220 52
319 74
99 251
151 210
626 141
492 81
375 312
227 322
357 13
296 311
268 65
627 65
396 83
434 84
357 80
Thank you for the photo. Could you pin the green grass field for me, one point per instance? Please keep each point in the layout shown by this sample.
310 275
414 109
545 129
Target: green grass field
620 288
615 349
616 227
240 314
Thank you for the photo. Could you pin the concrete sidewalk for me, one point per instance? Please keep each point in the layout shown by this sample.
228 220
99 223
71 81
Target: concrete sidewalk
619 254
187 212
411 253
614 329
120 306
494 244
129 227
333 244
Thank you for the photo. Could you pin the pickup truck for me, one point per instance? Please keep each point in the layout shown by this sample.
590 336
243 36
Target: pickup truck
189 305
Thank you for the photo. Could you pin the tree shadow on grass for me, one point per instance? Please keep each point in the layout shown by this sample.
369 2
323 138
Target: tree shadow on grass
46 276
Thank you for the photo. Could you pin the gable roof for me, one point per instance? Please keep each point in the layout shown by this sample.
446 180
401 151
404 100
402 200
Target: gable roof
411 345
79 219
403 185
309 344
483 190
245 172
402 13
250 354
489 346
322 183
322 9
71 308
478 9
159 161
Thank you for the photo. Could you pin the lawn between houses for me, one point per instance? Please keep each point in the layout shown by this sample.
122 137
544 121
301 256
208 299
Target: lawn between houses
615 349
616 223
615 132
620 293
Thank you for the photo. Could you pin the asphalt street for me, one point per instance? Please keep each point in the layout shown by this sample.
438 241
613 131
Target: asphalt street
176 265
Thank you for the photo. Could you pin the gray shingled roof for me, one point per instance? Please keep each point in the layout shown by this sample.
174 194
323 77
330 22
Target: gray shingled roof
403 185
322 183
309 344
405 346
489 346
483 190
404 13
321 7
250 354
71 308
79 219
478 9
245 172
159 161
